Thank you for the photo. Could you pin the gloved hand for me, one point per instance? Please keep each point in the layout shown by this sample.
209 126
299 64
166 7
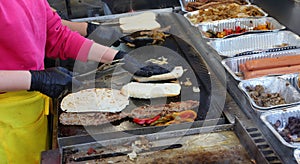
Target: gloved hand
90 28
52 81
139 69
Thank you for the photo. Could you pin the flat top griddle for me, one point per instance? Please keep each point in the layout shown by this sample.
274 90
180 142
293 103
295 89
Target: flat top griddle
177 52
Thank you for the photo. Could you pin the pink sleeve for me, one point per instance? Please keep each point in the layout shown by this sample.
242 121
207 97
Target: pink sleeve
62 42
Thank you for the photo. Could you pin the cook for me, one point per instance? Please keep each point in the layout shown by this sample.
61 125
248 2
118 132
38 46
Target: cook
30 30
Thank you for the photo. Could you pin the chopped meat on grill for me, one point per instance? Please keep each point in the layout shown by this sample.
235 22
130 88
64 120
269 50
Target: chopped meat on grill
88 119
150 111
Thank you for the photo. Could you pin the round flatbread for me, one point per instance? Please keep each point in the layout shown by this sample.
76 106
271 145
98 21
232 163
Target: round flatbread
95 100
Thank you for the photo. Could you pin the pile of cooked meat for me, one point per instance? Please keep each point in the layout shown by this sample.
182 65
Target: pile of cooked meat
221 11
263 99
197 4
291 132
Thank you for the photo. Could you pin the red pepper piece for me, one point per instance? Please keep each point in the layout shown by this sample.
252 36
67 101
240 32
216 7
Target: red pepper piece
237 29
91 151
143 121
152 119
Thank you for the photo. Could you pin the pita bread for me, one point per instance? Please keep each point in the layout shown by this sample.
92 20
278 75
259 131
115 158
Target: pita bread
144 21
174 74
95 100
151 90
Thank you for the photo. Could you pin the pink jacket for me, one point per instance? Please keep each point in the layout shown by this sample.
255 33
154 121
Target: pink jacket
29 30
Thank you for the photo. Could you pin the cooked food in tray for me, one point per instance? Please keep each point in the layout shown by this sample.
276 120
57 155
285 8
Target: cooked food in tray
284 124
289 130
270 92
197 4
238 26
222 11
236 66
270 66
264 99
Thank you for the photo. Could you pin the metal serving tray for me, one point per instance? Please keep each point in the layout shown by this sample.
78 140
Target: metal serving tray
297 155
183 3
251 42
270 118
272 85
232 64
193 13
245 23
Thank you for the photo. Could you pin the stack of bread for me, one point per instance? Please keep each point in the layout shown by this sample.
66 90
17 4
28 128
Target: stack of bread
143 21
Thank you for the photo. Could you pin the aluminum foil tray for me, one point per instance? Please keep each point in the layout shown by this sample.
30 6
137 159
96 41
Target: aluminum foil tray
232 64
272 85
270 118
253 42
292 79
245 23
194 13
183 3
297 155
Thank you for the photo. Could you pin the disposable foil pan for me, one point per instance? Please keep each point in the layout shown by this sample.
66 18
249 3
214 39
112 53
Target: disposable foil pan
232 64
244 23
192 14
272 85
293 79
297 155
270 118
183 3
261 41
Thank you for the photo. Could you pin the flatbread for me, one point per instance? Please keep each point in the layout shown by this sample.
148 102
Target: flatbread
174 74
151 90
95 100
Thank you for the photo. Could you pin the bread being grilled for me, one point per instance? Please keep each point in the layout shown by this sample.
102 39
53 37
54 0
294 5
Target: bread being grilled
144 21
174 74
150 90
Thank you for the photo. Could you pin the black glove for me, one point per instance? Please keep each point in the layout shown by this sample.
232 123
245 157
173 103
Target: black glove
52 81
137 68
90 28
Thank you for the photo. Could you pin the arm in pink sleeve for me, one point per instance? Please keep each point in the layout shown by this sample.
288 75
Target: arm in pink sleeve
62 42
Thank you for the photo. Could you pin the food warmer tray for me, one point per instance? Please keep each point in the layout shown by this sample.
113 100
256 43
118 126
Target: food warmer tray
254 42
183 3
232 64
219 143
272 85
244 23
193 13
270 118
